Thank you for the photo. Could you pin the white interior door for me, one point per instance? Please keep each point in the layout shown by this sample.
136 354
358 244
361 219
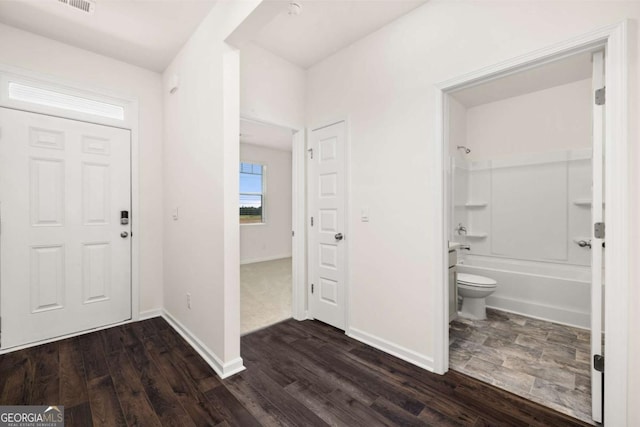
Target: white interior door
597 242
327 224
64 264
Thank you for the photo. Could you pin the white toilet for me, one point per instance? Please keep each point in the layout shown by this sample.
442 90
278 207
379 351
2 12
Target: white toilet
474 291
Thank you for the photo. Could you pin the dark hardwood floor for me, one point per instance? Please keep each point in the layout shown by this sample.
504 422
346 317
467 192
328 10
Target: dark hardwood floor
298 374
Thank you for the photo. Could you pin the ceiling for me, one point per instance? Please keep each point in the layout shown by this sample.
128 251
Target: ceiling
147 33
268 136
324 27
571 69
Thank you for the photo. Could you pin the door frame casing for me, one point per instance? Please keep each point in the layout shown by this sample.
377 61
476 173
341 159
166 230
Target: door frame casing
347 219
131 123
617 189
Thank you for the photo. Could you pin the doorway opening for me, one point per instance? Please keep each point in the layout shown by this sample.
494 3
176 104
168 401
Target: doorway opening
516 185
267 232
522 166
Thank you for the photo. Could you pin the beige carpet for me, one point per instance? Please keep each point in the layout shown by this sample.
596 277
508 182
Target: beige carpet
265 294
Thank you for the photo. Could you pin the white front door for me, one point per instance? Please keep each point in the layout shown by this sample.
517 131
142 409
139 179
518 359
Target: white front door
597 214
65 257
327 186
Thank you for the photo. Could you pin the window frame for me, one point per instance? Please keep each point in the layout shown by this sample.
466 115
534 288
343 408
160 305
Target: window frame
263 194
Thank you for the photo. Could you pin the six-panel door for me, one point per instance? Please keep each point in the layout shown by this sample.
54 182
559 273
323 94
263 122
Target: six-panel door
327 206
64 266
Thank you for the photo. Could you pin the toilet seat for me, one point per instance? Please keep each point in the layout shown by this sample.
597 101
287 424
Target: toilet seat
475 281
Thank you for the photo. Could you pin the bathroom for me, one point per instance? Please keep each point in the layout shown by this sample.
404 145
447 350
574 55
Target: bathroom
521 152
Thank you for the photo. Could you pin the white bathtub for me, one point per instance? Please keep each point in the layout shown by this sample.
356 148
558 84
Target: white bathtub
555 292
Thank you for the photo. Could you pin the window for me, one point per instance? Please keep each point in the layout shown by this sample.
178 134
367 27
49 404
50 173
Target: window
251 193
52 98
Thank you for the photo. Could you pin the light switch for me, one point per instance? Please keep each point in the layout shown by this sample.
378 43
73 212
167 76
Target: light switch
364 214
174 214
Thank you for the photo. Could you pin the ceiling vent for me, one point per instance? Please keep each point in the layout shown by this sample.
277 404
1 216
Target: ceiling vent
83 5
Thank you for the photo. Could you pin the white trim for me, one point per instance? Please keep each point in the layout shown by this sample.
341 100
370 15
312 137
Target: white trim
348 225
617 200
150 314
134 216
224 370
617 195
400 352
440 227
131 122
299 238
264 259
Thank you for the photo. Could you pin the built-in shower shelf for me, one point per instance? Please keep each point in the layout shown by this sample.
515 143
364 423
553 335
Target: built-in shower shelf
476 204
582 202
477 235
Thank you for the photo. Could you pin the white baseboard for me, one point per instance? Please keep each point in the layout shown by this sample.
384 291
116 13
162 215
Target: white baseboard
305 316
400 352
263 259
549 313
150 314
224 370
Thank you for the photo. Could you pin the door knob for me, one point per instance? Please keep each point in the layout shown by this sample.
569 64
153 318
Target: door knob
124 234
584 244
339 236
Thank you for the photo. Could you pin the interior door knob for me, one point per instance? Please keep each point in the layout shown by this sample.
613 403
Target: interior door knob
124 234
339 236
584 243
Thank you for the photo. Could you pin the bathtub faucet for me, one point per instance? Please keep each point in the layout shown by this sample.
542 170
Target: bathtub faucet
461 229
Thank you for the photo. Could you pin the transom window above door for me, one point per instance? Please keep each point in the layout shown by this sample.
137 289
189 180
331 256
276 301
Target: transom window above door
252 191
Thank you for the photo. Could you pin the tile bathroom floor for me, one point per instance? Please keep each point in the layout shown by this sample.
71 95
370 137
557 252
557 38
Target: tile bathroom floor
538 360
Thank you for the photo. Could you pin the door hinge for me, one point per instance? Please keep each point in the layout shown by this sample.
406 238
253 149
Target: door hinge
293 233
312 221
598 230
310 150
312 288
601 95
598 362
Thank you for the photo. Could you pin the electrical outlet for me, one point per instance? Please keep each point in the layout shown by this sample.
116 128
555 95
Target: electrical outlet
188 300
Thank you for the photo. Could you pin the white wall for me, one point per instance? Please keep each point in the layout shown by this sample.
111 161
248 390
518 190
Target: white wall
271 89
271 240
554 119
384 84
76 66
201 180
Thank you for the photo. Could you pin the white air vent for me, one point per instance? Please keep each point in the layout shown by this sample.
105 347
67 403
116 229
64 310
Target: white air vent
83 5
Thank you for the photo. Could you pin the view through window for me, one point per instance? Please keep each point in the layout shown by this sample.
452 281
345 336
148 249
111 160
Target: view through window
251 193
